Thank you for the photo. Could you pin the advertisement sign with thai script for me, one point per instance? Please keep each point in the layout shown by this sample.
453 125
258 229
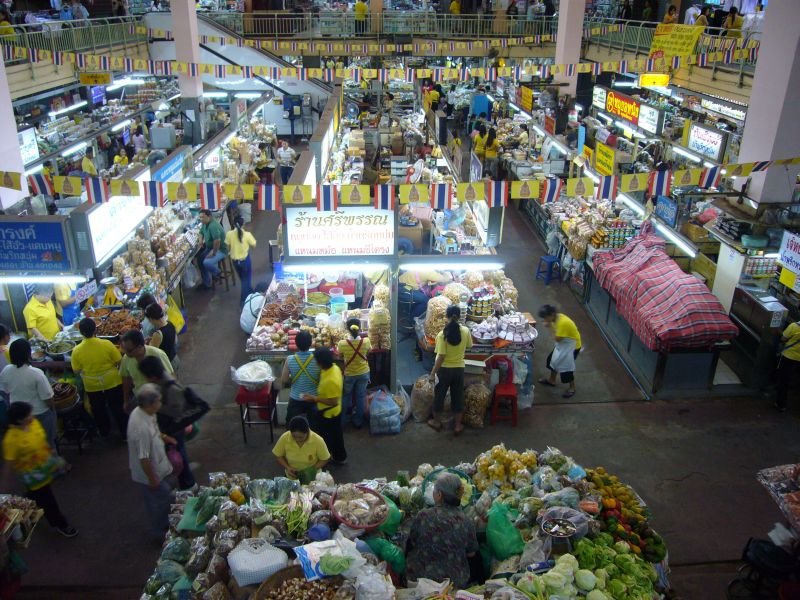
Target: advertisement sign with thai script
599 97
622 106
110 224
173 167
34 246
789 255
723 109
667 210
649 119
604 159
707 141
628 109
674 40
357 231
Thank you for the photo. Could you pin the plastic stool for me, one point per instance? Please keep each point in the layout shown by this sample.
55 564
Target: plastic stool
227 274
504 392
547 266
257 407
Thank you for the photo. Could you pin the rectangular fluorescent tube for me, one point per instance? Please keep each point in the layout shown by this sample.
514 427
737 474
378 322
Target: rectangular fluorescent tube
708 164
122 125
686 154
632 204
323 266
228 138
178 95
248 95
61 111
34 170
591 175
74 149
490 97
454 266
578 106
608 119
624 84
538 130
42 279
215 94
679 241
560 148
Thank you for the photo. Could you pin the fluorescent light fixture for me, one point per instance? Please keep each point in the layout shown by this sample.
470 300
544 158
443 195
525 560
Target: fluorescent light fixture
75 106
323 266
624 84
560 148
608 119
163 106
74 149
248 95
125 81
228 138
515 107
176 96
724 171
538 130
490 97
773 255
686 154
215 94
122 125
471 265
708 164
42 279
632 204
578 106
679 241
591 175
34 170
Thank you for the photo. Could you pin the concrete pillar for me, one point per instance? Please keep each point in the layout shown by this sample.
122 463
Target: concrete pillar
376 16
772 129
187 49
568 44
9 144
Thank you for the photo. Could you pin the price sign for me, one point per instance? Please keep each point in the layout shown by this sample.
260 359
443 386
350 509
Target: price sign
90 289
102 78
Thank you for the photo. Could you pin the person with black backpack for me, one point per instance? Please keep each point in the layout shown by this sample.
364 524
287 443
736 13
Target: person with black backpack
180 407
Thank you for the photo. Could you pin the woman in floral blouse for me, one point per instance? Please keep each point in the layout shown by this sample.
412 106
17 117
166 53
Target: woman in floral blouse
442 538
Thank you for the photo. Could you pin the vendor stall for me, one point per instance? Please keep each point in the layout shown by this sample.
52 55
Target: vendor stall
545 527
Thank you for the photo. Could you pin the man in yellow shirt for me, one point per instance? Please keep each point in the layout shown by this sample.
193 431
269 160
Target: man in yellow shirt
40 314
455 7
300 449
329 405
360 10
568 345
87 164
97 363
788 365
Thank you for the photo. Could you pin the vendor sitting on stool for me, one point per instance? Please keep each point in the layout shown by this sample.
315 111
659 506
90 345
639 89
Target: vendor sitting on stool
442 538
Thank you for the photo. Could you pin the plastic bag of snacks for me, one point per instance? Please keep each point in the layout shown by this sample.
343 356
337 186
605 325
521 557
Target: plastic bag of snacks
436 315
476 401
422 399
453 292
379 321
381 294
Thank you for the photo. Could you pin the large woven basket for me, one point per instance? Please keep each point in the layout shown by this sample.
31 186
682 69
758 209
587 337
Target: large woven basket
276 580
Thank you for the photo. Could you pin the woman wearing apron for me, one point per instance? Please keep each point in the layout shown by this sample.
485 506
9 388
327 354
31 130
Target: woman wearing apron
301 371
67 306
356 372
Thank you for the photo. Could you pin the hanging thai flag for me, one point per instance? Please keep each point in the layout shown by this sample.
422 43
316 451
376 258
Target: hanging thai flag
570 70
545 71
127 64
222 40
105 63
383 75
247 72
328 74
193 71
81 60
651 64
710 177
441 195
753 54
607 187
761 165
552 189
676 62
623 66
96 190
355 74
411 74
537 40
327 197
498 194
268 198
728 59
58 57
491 74
660 183
702 60
302 74
516 72
384 197
240 43
219 71
463 73
40 184
209 196
153 194
167 67
597 68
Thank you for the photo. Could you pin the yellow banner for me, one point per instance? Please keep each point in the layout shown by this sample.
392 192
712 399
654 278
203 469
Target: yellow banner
297 195
604 159
181 191
124 187
354 195
742 170
471 191
413 192
69 186
525 190
633 183
686 177
580 186
789 279
239 192
674 40
11 180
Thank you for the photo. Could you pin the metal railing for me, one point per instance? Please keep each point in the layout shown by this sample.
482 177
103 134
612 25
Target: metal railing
74 36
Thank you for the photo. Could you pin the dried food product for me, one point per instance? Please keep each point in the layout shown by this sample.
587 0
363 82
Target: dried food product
454 291
422 399
359 507
379 326
382 294
476 402
300 589
473 279
436 316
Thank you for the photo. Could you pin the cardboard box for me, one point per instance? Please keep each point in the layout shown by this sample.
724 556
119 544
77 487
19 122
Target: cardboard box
414 234
696 233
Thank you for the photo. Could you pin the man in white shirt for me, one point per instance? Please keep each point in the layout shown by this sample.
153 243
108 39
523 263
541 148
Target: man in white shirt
286 158
691 15
147 457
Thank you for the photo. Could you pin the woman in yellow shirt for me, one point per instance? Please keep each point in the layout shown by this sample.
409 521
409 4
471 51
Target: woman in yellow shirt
328 421
121 159
788 364
354 352
479 143
568 345
300 450
240 241
451 343
733 24
491 149
40 314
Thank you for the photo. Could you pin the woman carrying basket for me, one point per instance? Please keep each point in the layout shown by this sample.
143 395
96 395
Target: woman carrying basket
354 352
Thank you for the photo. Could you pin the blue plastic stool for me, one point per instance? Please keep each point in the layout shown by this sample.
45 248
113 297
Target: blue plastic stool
547 265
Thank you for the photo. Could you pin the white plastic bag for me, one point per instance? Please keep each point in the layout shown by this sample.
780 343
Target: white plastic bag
372 584
525 397
310 555
191 276
403 400
252 375
520 369
254 560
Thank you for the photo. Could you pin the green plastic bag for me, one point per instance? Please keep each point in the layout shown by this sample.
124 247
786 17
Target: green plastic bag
392 522
503 538
386 550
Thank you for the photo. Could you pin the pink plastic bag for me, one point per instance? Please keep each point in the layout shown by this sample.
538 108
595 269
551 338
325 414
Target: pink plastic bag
175 459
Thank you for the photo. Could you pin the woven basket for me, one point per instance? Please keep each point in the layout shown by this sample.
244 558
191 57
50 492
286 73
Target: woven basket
276 580
341 519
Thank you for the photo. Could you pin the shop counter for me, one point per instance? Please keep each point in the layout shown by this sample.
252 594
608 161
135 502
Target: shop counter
414 234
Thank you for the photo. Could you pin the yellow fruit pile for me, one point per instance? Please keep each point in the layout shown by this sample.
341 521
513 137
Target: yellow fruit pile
616 495
500 466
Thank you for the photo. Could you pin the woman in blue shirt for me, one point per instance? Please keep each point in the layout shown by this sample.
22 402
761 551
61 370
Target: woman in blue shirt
301 371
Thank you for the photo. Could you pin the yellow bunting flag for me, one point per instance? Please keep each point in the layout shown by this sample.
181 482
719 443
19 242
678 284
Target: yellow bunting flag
354 195
686 177
369 73
414 192
637 182
290 73
742 170
424 73
580 186
480 73
125 187
527 190
397 74
787 161
297 195
177 192
11 180
314 73
261 71
69 186
471 191
611 65
583 67
239 192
